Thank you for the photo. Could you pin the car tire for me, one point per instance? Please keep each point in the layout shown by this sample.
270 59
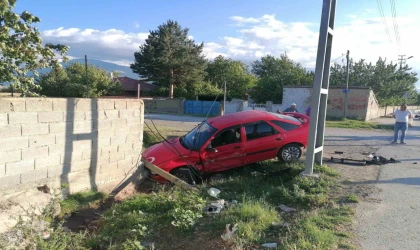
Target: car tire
186 175
289 153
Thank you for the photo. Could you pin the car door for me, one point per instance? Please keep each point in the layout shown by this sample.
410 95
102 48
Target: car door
288 131
224 151
262 141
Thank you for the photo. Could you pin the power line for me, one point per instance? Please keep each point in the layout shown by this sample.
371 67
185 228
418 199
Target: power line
381 12
338 58
394 20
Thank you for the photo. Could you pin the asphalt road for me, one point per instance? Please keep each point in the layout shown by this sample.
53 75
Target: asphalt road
393 221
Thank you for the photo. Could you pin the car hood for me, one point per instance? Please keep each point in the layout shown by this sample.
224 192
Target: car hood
164 151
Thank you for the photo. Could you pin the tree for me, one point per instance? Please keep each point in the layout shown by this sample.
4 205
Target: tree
170 58
275 73
72 82
22 50
387 80
238 80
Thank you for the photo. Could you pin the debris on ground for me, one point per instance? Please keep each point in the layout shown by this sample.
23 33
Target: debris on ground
285 224
213 192
286 209
214 207
379 160
231 203
345 160
269 245
415 163
338 152
230 231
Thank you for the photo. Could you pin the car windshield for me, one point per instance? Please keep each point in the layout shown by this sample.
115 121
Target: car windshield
287 117
195 139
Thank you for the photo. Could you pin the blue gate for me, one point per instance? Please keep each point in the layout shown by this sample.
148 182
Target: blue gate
201 108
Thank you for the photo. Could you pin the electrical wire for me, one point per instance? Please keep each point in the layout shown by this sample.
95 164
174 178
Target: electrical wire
196 141
338 58
381 12
394 20
190 165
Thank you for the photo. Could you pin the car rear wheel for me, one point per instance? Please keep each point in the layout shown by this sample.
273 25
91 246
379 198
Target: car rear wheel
186 175
289 153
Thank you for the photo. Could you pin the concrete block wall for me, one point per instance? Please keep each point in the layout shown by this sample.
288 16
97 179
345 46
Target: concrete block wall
357 103
362 102
77 143
235 106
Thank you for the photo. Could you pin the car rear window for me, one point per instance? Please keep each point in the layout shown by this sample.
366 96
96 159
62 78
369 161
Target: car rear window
285 125
286 117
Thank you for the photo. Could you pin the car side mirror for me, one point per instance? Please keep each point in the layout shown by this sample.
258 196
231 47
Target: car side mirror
213 150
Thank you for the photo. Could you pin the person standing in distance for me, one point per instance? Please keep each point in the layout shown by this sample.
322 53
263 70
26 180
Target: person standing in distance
308 111
401 123
292 108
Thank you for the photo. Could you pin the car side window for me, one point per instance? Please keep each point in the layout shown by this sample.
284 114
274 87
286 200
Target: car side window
226 137
259 130
285 125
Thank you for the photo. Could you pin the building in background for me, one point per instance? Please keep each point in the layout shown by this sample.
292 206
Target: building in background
130 86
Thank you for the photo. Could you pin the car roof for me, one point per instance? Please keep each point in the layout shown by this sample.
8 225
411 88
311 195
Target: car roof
244 117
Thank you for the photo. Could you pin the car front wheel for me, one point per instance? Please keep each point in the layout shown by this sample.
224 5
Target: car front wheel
186 175
289 153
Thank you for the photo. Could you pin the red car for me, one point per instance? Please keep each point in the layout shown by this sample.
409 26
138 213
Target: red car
231 141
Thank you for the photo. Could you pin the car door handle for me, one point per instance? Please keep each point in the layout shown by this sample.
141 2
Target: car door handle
237 147
279 139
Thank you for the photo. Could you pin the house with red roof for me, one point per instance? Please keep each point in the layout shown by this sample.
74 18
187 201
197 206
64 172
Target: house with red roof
130 86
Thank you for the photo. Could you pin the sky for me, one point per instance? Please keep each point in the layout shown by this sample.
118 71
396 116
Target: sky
243 30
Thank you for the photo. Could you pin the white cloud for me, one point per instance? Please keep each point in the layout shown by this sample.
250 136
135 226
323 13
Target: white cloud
242 20
110 45
362 33
136 25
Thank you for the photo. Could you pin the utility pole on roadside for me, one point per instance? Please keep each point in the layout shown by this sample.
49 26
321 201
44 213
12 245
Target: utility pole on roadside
315 148
346 91
224 100
86 69
401 58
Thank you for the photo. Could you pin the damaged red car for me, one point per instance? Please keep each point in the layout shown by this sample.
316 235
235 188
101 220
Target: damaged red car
231 141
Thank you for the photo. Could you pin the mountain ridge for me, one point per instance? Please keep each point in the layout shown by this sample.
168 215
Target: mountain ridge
110 67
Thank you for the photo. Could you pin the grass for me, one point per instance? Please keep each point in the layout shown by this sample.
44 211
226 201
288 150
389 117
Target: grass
151 137
172 216
144 214
81 200
356 124
352 198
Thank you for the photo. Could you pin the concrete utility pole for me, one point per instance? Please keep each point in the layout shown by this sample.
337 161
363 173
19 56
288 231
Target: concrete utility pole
320 88
346 91
224 100
86 69
401 58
